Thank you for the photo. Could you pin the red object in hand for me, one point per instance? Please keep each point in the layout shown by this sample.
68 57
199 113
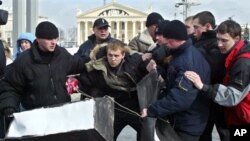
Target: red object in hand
72 85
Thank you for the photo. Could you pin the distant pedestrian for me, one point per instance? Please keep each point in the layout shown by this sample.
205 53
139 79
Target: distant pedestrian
24 42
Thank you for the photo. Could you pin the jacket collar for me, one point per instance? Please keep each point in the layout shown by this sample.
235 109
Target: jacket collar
36 56
181 48
92 38
145 37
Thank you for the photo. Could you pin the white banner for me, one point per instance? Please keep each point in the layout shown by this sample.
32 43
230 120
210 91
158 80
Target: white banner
45 121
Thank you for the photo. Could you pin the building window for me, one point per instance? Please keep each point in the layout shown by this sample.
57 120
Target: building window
139 26
123 37
9 41
123 25
115 25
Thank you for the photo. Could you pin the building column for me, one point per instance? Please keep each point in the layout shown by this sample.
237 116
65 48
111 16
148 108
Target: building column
86 31
18 21
118 29
79 34
32 15
142 26
134 22
126 31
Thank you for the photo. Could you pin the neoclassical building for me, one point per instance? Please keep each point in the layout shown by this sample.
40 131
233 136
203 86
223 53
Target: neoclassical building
125 22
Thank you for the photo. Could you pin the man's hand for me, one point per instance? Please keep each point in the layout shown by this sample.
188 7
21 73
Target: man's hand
151 66
8 113
146 56
195 78
144 113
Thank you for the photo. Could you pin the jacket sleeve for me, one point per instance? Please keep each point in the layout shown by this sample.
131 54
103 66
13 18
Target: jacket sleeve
179 98
12 86
133 44
226 96
237 88
2 59
75 64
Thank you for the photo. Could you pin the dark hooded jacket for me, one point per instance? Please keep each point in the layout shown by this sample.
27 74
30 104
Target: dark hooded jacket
37 83
186 109
209 48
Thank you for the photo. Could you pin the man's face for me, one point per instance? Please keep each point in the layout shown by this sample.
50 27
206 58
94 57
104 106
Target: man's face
159 39
151 30
171 43
189 27
115 57
101 33
226 42
47 45
198 28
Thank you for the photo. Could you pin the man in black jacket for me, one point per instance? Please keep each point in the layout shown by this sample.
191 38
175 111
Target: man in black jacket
101 36
2 67
206 42
39 74
2 60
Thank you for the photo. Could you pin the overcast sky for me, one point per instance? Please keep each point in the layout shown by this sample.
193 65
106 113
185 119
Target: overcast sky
63 12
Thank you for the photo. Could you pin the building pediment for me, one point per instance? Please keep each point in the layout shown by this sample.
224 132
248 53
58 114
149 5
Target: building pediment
112 10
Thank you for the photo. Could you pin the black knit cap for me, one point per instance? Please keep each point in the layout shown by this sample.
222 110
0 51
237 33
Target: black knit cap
160 27
175 30
153 18
46 30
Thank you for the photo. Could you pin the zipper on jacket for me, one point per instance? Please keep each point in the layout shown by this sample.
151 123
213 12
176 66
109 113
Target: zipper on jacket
52 82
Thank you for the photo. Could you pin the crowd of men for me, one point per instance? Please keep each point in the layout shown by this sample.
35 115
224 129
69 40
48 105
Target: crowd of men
203 68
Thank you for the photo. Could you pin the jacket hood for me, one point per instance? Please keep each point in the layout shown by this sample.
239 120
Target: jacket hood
24 36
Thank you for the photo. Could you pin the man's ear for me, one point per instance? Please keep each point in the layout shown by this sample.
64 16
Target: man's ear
209 26
123 55
237 38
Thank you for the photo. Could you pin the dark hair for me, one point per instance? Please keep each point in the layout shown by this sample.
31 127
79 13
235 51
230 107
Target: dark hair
205 17
231 27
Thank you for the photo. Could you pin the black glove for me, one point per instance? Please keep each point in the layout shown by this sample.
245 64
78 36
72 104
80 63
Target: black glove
159 54
8 112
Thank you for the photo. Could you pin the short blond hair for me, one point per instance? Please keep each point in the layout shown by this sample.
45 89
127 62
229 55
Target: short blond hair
118 45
